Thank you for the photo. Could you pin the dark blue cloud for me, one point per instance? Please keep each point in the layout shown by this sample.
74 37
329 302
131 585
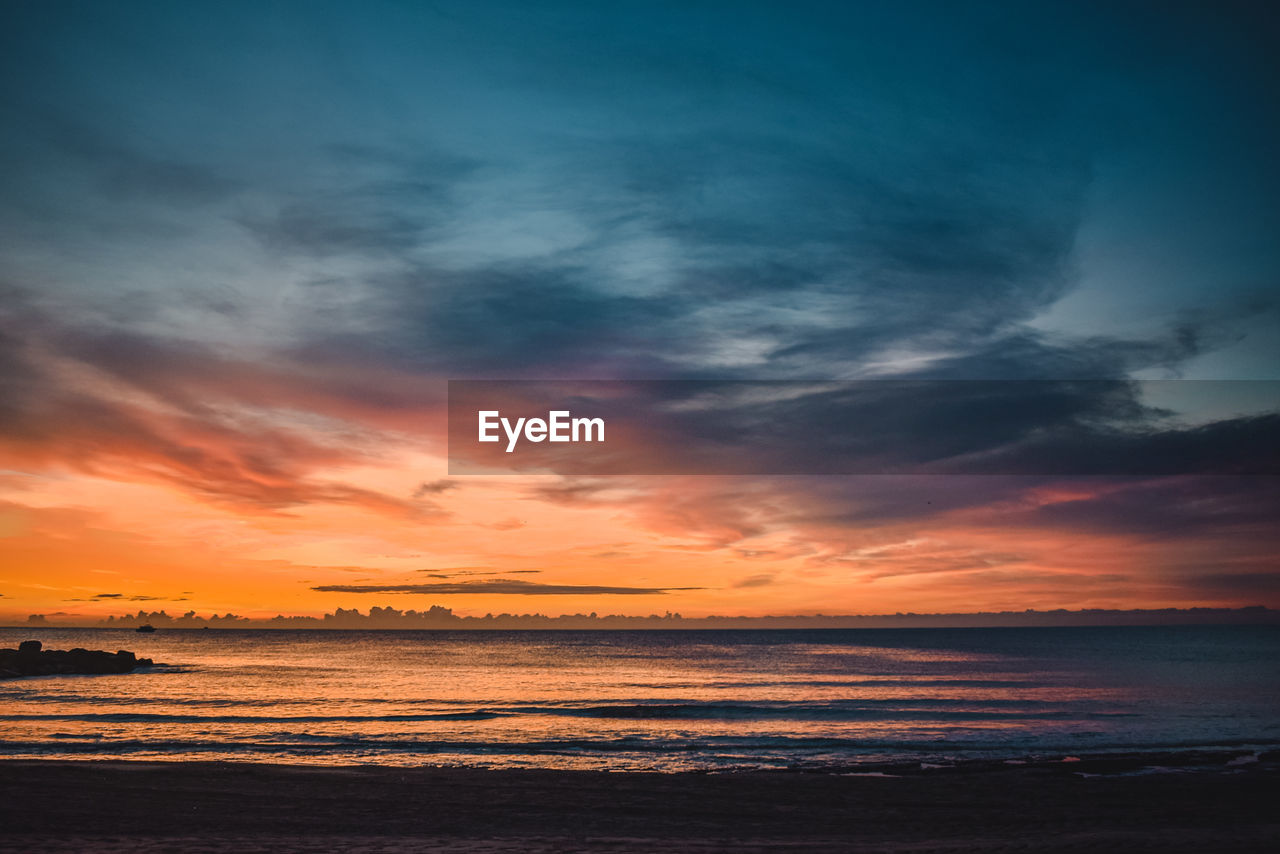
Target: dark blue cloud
745 190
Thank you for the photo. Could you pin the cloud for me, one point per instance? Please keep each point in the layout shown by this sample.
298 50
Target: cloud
463 572
385 203
122 172
1170 509
1255 586
101 597
504 587
434 487
577 491
168 411
762 580
324 229
961 266
1073 540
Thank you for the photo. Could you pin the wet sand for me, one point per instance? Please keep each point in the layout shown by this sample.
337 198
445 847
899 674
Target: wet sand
1165 803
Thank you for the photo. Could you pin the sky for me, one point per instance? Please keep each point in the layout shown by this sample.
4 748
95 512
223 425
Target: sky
246 245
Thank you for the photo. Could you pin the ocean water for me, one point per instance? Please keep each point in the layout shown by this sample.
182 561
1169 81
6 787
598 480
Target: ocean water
652 700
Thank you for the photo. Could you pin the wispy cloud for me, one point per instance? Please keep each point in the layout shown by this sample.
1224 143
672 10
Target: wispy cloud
121 597
469 572
761 580
434 487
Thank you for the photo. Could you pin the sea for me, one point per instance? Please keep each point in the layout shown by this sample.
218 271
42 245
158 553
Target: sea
652 700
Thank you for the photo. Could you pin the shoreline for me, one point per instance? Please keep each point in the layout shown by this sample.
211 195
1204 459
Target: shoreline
1171 802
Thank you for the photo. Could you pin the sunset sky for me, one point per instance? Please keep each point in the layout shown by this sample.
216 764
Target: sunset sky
244 246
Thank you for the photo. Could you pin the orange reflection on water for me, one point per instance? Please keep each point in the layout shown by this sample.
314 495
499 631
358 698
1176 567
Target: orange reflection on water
663 700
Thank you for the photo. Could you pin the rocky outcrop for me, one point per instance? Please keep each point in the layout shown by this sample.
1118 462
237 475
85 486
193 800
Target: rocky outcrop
30 659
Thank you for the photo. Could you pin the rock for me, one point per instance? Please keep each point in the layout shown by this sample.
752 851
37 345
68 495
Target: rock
30 659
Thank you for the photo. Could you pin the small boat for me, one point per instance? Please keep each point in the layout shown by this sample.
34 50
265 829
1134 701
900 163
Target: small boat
147 628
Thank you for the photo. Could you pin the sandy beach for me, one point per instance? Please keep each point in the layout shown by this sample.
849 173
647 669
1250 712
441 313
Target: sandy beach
1166 803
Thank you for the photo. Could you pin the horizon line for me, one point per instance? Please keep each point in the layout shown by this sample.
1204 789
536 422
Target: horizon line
442 618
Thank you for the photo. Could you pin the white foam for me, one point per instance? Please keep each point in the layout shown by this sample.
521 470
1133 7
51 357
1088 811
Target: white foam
1244 760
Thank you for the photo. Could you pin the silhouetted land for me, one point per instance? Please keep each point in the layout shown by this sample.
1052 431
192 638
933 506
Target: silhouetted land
29 659
439 617
1222 802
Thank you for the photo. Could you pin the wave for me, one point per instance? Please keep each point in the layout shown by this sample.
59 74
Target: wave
869 710
655 687
134 717
711 747
886 682
886 710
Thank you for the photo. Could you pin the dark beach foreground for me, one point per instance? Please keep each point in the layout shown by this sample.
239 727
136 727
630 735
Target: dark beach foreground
1166 803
